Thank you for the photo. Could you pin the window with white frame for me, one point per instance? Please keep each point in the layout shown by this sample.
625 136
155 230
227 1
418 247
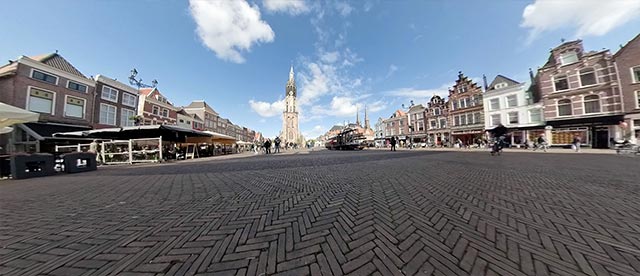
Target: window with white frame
456 120
560 82
564 107
155 110
433 124
468 102
74 107
477 117
129 99
107 114
635 74
436 111
588 77
109 94
463 119
38 75
500 85
568 58
126 117
512 101
592 104
443 123
494 104
165 112
638 99
470 118
41 101
535 115
462 103
513 117
76 86
454 105
495 119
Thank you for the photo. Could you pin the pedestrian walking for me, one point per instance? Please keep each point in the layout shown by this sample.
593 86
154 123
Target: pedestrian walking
576 143
267 146
277 143
93 148
393 142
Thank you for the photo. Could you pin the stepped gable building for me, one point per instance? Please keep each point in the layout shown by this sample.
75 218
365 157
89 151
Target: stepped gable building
290 132
51 86
437 121
581 95
627 62
465 111
513 105
155 109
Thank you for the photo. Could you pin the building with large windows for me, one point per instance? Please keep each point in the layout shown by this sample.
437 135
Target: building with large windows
52 87
465 111
513 104
581 95
116 103
437 121
627 62
155 109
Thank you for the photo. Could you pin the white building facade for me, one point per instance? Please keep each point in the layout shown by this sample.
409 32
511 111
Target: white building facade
512 104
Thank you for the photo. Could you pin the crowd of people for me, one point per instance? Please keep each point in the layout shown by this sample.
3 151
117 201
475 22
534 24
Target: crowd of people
274 146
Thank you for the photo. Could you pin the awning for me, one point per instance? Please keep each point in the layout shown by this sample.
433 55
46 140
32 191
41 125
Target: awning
42 131
11 115
587 121
167 132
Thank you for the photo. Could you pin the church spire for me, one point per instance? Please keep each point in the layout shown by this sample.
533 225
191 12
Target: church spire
291 73
366 119
291 84
357 116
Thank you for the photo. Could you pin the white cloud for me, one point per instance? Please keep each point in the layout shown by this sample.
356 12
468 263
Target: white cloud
266 109
368 5
330 57
314 132
229 27
392 69
293 7
376 106
344 8
420 95
590 17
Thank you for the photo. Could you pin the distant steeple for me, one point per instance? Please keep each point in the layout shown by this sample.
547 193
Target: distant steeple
357 116
291 84
366 119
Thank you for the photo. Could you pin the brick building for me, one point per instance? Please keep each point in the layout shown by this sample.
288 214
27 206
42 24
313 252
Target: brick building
54 88
581 96
155 109
466 111
397 125
437 121
627 62
416 123
116 103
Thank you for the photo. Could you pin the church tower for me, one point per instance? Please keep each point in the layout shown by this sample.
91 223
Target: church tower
290 133
366 119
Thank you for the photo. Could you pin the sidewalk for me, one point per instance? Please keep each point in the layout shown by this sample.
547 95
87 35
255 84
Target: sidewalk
550 150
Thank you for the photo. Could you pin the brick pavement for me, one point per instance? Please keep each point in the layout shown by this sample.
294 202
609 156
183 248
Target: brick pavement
331 213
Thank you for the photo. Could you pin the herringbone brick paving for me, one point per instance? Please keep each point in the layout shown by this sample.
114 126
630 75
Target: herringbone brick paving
331 213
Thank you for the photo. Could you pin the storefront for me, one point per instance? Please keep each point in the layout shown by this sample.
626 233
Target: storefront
467 137
596 132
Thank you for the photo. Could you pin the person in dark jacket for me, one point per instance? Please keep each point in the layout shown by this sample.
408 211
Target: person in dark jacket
393 142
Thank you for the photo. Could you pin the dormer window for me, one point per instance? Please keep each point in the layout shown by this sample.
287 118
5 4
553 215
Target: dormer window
568 58
500 85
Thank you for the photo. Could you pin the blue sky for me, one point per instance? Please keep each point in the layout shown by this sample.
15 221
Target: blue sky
235 54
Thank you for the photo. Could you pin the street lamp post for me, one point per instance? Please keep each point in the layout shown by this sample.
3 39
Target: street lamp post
138 83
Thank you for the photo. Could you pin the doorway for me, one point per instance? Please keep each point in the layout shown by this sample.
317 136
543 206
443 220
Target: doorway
601 140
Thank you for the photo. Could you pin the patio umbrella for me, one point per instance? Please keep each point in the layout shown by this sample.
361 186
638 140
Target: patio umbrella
10 115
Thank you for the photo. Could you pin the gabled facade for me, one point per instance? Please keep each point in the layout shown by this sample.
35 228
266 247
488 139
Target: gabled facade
397 125
627 62
206 113
54 88
511 104
197 122
465 110
155 109
184 119
581 95
437 121
116 104
417 130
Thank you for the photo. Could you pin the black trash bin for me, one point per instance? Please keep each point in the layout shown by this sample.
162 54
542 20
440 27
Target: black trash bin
76 162
33 165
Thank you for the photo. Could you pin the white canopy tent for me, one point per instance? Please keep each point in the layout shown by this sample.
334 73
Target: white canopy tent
11 115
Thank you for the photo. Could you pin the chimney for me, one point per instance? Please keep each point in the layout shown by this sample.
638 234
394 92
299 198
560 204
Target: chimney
484 78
